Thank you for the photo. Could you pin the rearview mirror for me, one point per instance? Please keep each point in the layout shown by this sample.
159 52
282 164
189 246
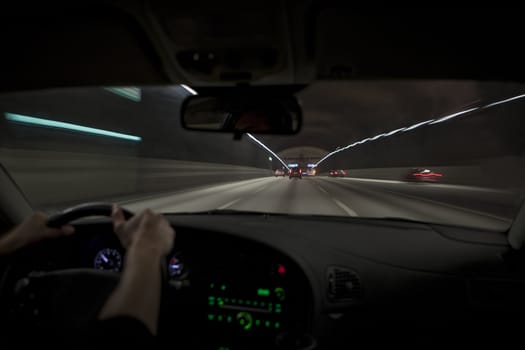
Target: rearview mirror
242 114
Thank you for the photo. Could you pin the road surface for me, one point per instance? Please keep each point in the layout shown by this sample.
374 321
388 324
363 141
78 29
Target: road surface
434 203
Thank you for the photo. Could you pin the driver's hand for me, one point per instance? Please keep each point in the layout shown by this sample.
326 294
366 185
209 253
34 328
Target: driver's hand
32 229
146 231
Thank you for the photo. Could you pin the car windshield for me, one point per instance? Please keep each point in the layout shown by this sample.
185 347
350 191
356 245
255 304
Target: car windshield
359 151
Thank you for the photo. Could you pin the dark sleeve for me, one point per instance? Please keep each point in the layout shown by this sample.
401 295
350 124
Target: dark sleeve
123 330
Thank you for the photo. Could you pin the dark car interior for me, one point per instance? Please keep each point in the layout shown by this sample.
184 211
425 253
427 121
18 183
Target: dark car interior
256 281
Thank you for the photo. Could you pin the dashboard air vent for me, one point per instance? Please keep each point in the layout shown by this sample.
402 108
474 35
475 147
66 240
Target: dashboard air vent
343 284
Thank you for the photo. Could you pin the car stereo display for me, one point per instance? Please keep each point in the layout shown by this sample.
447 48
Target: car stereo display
248 309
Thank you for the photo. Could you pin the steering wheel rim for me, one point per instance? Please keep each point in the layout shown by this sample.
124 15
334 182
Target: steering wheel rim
83 210
58 279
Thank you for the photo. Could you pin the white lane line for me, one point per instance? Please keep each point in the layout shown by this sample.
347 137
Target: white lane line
229 204
346 209
260 189
322 189
374 180
451 206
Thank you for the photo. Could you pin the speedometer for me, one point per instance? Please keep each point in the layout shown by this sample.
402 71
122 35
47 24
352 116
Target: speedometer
108 259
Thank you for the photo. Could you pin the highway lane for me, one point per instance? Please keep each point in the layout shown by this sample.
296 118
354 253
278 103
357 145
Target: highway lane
436 203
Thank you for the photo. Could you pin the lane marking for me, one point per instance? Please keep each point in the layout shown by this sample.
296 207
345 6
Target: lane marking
220 187
373 180
322 189
346 209
229 204
452 206
260 189
438 203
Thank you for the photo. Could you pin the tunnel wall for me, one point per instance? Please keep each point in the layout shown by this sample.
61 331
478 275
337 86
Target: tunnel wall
50 178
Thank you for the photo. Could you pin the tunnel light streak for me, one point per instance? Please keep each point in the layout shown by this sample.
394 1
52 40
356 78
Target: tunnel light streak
131 93
266 148
187 88
394 132
448 117
504 101
420 124
19 118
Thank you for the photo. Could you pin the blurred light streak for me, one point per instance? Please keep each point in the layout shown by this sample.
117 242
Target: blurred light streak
420 124
266 148
19 118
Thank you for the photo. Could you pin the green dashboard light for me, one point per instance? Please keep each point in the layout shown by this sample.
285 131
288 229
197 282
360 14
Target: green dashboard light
279 293
220 302
245 320
277 325
255 303
263 292
267 323
223 287
226 300
248 302
212 285
211 298
211 317
257 322
219 318
229 319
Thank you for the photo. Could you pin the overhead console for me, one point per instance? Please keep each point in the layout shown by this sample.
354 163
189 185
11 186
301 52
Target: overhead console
252 42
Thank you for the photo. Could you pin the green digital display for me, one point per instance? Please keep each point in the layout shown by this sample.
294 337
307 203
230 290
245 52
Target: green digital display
263 292
238 312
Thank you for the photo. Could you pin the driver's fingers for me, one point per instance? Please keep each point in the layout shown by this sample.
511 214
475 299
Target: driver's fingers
118 218
67 230
57 232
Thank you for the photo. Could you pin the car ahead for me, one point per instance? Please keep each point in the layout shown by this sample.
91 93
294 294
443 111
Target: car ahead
423 175
337 173
259 263
295 172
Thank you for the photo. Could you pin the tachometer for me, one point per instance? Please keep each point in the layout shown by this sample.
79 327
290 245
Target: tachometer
176 268
108 259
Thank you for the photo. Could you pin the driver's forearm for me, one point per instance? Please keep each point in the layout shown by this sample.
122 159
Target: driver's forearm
138 292
9 243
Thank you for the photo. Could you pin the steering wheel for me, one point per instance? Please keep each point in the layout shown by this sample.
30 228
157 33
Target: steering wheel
82 211
71 295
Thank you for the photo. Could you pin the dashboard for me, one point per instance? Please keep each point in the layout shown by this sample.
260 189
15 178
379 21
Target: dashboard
258 281
239 293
